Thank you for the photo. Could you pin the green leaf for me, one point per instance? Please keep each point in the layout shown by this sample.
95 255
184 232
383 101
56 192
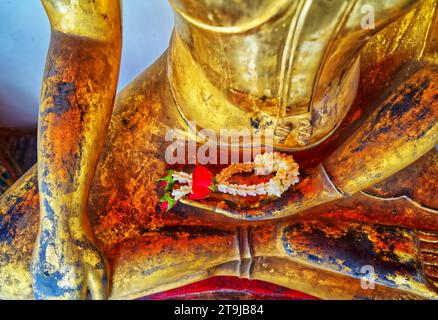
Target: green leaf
166 197
170 201
169 179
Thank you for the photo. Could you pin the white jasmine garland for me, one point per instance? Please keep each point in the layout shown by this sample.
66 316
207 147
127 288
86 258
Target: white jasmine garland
181 192
182 177
284 165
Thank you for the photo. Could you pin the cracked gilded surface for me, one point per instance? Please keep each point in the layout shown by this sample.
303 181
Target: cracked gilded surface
323 237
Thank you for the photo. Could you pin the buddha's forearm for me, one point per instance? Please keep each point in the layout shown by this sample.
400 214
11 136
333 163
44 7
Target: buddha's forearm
94 19
399 132
77 97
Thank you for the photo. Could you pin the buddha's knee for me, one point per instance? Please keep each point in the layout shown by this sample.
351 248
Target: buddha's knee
364 251
19 217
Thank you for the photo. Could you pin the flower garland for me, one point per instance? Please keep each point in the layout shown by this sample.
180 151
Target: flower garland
201 183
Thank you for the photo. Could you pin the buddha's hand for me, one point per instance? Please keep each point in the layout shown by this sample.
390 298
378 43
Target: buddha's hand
67 265
314 188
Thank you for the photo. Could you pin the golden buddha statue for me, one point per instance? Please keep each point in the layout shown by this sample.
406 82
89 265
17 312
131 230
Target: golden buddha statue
353 100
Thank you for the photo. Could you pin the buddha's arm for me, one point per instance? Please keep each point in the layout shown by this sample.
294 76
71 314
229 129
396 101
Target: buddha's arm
398 133
401 130
77 98
405 126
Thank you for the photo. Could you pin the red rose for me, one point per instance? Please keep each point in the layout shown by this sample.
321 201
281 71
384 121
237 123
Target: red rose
202 183
164 206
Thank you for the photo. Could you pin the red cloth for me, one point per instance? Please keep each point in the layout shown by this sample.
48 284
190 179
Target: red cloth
231 288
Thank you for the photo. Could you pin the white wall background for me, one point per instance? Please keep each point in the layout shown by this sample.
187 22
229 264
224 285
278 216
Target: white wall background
24 40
